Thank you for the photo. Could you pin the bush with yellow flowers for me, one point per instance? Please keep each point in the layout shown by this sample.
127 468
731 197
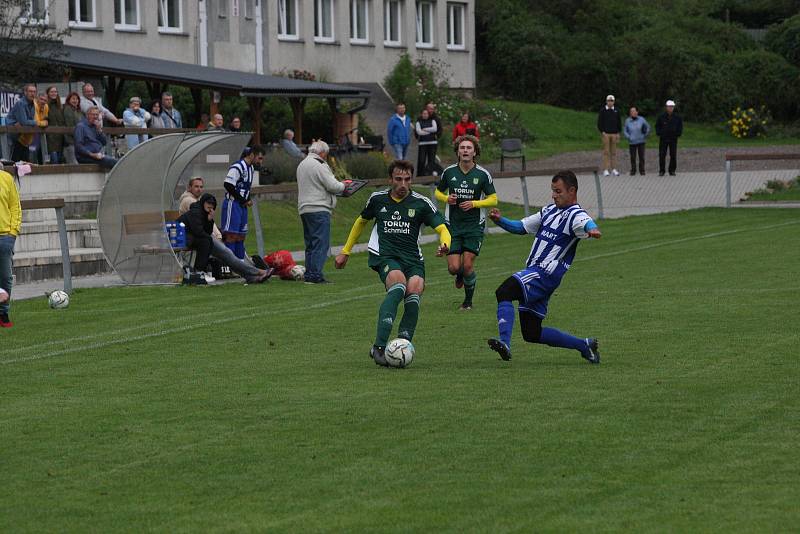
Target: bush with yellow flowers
749 122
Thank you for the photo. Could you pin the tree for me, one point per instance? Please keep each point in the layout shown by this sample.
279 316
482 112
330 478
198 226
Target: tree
28 45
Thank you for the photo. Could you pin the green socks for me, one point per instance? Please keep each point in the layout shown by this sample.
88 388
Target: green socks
469 287
408 324
387 313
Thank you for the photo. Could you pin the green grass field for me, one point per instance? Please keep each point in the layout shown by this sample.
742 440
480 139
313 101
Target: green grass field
256 408
560 130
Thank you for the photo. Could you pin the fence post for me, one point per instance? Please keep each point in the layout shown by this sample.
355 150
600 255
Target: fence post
727 183
65 261
5 146
433 192
524 185
44 148
259 230
599 190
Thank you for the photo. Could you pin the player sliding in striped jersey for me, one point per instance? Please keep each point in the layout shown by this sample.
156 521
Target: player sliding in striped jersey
558 227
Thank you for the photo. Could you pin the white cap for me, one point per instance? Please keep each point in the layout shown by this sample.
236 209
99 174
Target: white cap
610 97
670 103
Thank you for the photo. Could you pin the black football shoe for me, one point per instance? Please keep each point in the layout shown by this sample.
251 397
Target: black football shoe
376 353
500 348
591 353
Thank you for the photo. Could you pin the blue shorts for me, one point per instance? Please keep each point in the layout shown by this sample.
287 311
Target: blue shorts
234 218
537 287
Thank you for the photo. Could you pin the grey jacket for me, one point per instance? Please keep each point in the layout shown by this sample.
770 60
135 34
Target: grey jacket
317 187
636 131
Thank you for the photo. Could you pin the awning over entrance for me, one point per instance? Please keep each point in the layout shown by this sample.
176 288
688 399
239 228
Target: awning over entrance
131 67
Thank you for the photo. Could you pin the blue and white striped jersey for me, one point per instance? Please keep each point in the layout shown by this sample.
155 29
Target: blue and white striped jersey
240 175
557 233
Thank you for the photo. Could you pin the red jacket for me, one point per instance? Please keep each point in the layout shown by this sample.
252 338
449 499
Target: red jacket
463 129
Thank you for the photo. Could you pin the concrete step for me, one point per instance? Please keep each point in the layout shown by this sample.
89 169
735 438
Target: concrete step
38 236
46 264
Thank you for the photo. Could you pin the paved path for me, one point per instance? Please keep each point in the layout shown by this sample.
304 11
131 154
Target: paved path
640 195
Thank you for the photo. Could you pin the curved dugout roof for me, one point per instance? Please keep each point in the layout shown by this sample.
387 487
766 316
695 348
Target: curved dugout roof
142 190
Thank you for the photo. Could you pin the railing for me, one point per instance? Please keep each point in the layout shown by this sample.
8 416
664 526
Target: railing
58 205
749 157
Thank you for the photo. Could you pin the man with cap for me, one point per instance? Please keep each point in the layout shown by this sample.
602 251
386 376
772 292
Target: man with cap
609 123
669 128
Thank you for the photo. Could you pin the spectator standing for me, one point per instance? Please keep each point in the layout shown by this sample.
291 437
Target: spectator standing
23 113
398 132
609 123
669 127
135 117
636 131
431 107
317 188
41 110
466 126
199 221
426 129
170 115
289 145
217 124
237 185
236 125
155 115
72 116
10 224
55 117
90 140
194 190
89 100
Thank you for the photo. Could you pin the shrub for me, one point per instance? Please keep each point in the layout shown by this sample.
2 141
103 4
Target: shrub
366 165
749 122
281 166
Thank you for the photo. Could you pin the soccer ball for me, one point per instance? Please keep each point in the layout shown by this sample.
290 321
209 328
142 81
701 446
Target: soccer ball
298 272
399 353
58 300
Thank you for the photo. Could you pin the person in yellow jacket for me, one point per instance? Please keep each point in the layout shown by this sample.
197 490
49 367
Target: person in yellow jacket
10 223
467 190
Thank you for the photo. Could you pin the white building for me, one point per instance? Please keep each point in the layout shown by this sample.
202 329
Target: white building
341 41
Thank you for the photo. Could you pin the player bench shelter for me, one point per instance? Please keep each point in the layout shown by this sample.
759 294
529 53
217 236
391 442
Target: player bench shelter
142 193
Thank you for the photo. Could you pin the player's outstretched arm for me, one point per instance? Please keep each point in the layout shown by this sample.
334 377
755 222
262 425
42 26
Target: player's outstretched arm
444 240
592 230
509 225
352 238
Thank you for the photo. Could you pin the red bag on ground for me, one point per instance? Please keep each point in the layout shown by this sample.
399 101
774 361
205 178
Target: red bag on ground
282 262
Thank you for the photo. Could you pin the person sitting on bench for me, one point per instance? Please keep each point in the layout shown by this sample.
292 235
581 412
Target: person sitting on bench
199 221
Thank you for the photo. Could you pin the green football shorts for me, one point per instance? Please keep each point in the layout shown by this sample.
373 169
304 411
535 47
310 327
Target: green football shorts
383 265
466 243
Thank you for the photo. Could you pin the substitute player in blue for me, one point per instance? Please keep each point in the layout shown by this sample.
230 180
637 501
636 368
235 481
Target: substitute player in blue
237 185
557 228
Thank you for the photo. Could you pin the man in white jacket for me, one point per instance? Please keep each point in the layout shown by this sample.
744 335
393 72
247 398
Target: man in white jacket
317 188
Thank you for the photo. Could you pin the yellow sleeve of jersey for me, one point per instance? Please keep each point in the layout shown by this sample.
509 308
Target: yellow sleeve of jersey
487 202
441 196
444 235
355 233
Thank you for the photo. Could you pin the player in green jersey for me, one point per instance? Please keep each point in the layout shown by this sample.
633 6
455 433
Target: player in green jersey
467 189
394 252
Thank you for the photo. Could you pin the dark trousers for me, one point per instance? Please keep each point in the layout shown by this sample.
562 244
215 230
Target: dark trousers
317 236
426 159
20 152
634 150
663 145
106 162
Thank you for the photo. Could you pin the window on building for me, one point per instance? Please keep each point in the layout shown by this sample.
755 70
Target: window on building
287 19
81 13
359 21
36 12
455 26
323 20
391 22
222 8
249 9
170 16
126 14
425 24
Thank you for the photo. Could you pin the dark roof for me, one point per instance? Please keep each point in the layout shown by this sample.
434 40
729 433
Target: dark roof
102 62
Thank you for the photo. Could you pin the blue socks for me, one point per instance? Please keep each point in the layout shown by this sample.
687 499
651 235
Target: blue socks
557 338
505 321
